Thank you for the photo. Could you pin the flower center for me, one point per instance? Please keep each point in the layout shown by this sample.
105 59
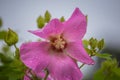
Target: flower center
58 43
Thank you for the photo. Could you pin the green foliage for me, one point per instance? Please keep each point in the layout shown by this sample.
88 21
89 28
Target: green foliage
109 71
11 37
62 19
47 16
2 34
12 68
104 55
1 23
94 47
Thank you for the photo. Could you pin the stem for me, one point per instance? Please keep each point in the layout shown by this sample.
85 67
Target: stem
16 52
15 46
47 73
82 65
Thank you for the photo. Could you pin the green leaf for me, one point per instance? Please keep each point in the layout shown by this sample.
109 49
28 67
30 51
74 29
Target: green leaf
100 44
40 22
11 37
108 71
62 19
104 55
47 16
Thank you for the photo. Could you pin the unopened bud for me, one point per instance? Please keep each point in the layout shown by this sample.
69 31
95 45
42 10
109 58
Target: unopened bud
62 19
47 16
11 37
40 22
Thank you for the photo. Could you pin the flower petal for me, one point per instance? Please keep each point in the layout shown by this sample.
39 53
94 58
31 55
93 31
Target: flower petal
26 78
39 75
52 28
35 54
64 68
75 27
77 51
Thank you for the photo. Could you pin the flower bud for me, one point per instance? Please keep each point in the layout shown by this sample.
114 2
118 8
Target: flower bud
101 44
62 19
47 16
40 22
11 37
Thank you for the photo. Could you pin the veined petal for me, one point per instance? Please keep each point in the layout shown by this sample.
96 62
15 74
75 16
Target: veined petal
75 27
35 54
54 27
77 51
64 68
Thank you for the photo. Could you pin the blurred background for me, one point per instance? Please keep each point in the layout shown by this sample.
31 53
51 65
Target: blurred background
103 20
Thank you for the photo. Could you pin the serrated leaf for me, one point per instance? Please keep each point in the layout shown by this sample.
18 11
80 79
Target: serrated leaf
104 55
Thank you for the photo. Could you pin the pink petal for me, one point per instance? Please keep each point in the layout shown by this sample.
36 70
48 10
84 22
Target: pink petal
54 27
42 75
39 75
77 51
35 54
26 78
64 68
75 27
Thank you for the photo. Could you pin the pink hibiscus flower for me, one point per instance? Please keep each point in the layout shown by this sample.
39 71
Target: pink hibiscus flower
60 50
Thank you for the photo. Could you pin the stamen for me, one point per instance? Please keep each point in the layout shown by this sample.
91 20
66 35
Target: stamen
58 43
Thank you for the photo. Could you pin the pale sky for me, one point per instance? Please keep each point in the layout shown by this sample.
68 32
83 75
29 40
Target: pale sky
103 16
